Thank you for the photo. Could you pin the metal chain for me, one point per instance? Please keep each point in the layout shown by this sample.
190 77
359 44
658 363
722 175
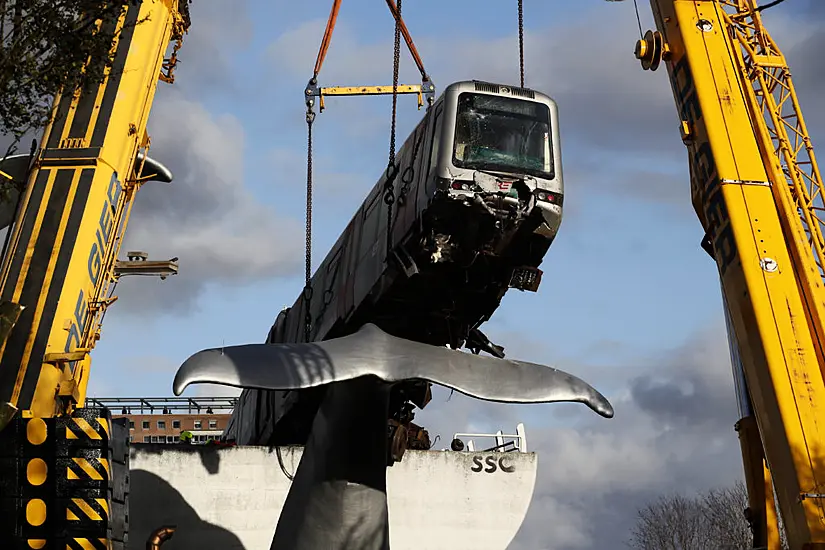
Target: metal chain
310 117
392 168
521 40
409 172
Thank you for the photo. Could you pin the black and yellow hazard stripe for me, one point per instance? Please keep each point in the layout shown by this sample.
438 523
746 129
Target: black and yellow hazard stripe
96 469
87 544
87 510
87 428
51 221
85 472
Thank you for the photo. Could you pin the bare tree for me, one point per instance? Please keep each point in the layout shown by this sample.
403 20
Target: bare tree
672 522
714 520
724 511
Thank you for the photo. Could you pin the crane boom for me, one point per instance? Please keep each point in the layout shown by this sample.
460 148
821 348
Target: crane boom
64 464
61 262
756 189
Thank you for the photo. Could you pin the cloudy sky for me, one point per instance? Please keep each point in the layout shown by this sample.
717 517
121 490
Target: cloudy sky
629 301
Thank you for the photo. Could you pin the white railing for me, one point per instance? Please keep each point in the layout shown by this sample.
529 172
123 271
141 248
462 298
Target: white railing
503 442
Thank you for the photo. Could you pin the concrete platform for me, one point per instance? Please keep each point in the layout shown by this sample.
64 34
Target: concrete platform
230 499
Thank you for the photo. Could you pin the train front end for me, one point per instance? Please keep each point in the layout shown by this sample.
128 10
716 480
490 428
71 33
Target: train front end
501 152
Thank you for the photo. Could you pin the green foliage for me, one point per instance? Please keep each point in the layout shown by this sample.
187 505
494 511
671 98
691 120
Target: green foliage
49 45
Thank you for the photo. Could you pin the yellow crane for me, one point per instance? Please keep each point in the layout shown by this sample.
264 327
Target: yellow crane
757 191
61 461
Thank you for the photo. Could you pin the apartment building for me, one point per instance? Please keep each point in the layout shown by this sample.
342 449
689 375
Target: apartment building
161 420
166 428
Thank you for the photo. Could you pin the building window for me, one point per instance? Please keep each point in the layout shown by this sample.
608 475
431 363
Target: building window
213 424
161 424
154 439
145 424
197 424
176 424
131 424
170 438
147 439
131 439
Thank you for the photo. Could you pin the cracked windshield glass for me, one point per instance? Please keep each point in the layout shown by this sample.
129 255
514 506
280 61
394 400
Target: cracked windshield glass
503 134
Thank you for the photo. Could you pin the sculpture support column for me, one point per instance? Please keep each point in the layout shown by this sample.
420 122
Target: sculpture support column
338 498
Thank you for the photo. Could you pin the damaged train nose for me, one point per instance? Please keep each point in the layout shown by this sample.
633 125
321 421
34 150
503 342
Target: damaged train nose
371 351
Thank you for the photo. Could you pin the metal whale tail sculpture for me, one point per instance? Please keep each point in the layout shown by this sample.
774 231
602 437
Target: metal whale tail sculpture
338 498
371 351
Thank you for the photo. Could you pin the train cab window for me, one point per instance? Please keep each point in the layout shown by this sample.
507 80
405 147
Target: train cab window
503 134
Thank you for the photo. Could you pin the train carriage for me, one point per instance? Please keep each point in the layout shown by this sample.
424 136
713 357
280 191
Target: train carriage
479 201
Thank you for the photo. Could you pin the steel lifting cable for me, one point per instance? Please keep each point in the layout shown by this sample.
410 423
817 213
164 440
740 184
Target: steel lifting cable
638 19
310 118
392 167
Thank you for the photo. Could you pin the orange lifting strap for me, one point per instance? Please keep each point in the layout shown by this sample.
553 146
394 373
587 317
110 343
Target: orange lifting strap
425 89
333 17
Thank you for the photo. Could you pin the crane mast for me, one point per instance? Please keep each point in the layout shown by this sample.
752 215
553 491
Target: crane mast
66 465
757 191
62 260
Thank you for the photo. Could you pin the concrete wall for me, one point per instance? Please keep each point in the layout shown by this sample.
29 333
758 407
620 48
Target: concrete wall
230 499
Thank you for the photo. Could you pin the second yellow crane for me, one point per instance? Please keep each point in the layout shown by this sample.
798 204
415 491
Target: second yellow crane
757 191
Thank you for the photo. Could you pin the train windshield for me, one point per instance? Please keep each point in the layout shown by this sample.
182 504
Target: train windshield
503 134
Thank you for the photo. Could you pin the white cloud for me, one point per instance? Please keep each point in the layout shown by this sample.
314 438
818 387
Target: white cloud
218 29
329 182
349 62
595 472
207 217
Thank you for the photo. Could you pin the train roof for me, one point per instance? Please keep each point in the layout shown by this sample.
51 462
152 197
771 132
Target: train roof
497 88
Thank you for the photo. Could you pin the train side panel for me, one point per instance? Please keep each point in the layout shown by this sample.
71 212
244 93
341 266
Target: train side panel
356 263
341 283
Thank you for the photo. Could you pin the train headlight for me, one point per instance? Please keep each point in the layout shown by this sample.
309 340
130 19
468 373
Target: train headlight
463 186
551 197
